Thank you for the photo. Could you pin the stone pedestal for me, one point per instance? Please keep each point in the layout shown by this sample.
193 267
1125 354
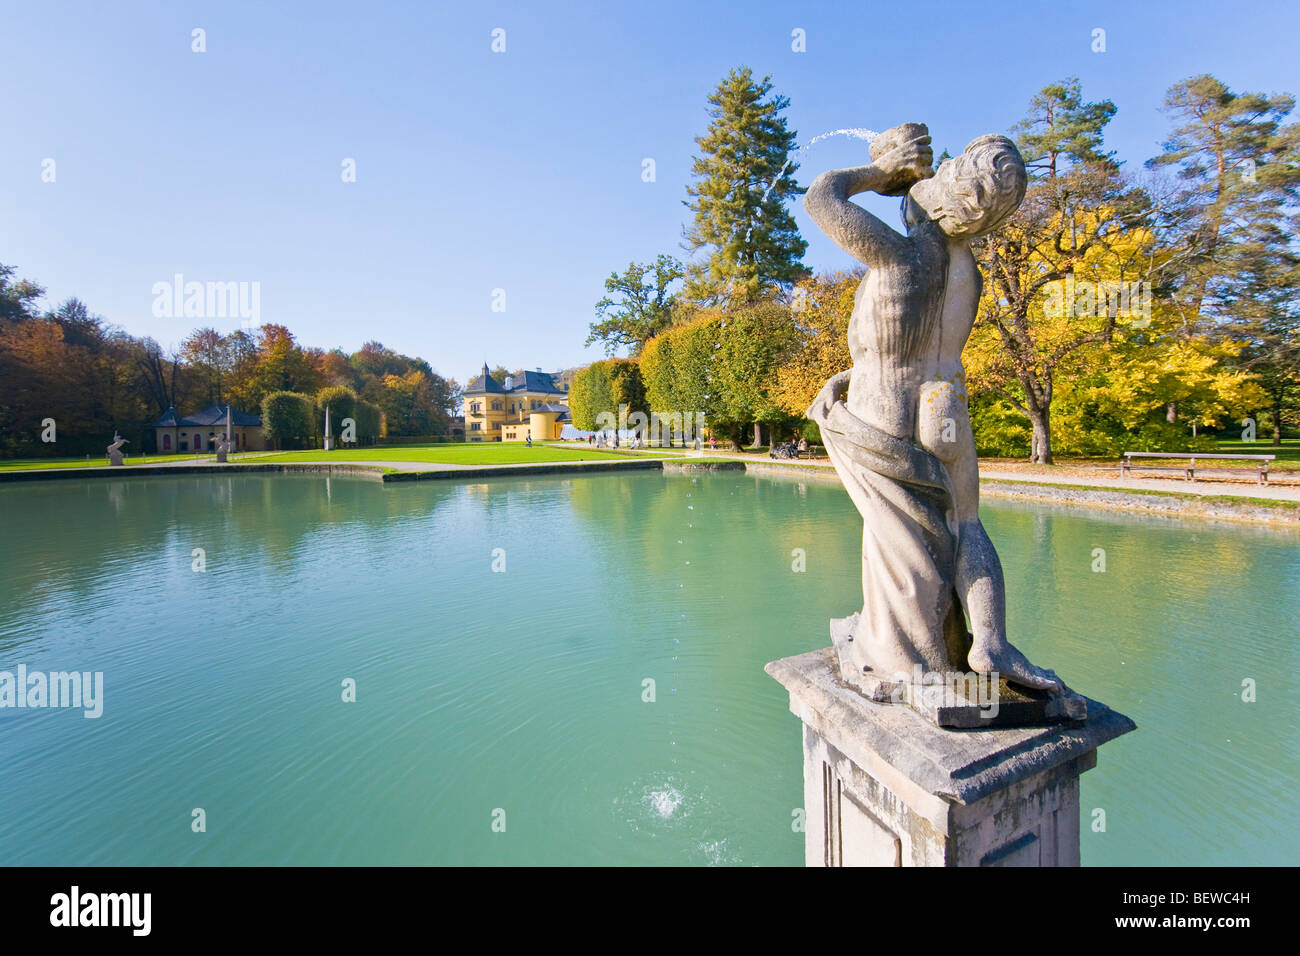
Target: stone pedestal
885 787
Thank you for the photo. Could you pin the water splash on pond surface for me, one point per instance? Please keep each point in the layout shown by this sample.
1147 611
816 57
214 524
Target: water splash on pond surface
665 802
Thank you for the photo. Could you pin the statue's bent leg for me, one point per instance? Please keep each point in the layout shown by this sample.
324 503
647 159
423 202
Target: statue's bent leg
978 571
979 582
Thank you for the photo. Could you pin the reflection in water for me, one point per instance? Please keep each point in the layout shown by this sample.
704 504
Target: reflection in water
526 690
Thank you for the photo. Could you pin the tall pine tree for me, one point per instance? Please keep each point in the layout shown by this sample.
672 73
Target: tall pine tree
743 177
1234 217
1061 126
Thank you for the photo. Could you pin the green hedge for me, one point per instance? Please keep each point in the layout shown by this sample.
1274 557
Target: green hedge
288 419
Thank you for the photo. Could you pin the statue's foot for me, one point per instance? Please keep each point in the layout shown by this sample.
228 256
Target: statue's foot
1014 666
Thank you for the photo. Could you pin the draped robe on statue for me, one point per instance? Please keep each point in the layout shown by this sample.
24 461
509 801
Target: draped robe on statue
910 614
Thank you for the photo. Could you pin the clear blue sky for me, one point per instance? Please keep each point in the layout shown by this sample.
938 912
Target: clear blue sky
478 170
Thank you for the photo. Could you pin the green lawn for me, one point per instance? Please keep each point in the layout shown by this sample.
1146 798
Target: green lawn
21 464
468 453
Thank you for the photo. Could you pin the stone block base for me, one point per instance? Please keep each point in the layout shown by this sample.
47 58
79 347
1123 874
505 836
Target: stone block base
883 786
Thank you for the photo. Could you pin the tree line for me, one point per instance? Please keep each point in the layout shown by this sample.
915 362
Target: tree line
1142 309
93 379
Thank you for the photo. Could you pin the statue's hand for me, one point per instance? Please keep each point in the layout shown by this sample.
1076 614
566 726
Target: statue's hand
904 155
836 388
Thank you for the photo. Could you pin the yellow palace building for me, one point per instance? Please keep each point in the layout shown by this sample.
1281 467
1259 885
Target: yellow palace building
529 404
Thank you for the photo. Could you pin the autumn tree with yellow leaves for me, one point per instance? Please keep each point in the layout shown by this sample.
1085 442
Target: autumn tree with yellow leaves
820 313
1081 344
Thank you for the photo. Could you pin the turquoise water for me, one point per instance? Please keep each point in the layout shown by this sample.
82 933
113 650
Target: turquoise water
481 691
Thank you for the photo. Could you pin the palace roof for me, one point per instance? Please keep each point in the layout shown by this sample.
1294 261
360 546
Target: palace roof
535 383
483 384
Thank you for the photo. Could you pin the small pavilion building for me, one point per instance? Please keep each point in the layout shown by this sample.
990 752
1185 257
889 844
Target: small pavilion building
198 433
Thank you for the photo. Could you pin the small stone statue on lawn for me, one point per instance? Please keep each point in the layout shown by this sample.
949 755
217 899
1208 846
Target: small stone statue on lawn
114 450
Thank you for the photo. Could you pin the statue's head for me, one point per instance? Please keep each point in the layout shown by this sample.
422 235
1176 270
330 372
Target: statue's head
972 194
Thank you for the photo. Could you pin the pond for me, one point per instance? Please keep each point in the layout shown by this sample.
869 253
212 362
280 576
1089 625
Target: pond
570 670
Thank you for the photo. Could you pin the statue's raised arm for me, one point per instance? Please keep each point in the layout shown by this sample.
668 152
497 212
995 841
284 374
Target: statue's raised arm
901 157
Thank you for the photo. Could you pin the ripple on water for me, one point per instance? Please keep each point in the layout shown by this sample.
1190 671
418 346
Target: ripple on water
717 853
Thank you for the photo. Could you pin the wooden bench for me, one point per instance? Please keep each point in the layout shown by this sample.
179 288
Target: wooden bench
810 454
1189 470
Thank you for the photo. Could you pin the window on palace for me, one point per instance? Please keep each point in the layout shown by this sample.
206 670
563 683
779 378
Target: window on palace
496 406
167 442
476 407
474 426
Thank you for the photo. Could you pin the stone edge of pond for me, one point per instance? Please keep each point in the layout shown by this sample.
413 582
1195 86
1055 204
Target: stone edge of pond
370 472
1171 504
514 471
1152 502
373 473
823 472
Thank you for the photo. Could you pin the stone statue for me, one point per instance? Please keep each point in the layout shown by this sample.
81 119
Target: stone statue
902 442
114 450
223 448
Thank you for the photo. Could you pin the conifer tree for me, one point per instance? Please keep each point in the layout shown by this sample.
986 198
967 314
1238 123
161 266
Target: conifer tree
743 177
1234 216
